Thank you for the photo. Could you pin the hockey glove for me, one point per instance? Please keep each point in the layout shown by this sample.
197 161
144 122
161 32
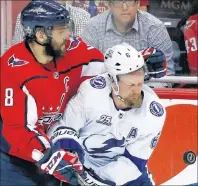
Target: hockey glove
155 60
61 164
67 139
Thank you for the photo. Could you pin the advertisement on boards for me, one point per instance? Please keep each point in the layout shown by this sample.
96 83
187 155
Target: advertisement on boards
174 160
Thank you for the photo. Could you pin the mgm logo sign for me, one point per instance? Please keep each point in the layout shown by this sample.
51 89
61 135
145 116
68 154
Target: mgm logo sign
175 4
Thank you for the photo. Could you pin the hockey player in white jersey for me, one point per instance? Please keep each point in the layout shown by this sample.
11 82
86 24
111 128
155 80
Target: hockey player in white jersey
118 119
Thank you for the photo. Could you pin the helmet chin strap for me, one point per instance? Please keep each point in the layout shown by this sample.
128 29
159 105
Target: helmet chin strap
116 92
136 105
120 98
42 44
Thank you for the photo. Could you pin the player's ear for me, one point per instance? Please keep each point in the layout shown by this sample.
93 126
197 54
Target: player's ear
41 36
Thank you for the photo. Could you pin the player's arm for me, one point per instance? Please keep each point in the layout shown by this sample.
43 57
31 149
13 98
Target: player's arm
65 132
23 138
19 115
133 162
134 159
127 169
93 64
155 63
75 114
162 43
96 62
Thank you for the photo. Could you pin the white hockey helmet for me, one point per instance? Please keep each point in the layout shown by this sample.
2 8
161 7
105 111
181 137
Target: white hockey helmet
122 59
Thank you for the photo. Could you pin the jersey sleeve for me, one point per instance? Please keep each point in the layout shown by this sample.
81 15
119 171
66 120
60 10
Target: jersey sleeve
19 116
140 151
134 159
191 42
96 62
93 64
74 117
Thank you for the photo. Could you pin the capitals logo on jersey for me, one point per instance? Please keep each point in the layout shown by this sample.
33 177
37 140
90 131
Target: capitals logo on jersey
74 43
15 62
189 24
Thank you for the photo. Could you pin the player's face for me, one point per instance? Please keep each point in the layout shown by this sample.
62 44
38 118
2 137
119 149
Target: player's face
124 13
131 87
60 35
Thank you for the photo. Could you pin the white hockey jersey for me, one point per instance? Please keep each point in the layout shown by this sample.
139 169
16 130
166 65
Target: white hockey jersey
117 143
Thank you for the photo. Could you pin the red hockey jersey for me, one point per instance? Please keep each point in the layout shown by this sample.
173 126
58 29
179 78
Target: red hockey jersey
34 96
191 41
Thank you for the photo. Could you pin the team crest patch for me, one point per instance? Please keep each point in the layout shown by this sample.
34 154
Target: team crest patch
156 109
74 43
189 24
15 62
98 82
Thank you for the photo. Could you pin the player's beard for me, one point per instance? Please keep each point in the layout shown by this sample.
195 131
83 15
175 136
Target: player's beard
133 101
56 52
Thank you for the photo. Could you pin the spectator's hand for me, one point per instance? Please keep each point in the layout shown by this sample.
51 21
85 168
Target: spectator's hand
62 164
155 62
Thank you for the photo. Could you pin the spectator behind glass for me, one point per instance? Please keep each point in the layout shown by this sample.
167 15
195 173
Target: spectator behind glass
78 16
102 5
190 23
124 23
92 8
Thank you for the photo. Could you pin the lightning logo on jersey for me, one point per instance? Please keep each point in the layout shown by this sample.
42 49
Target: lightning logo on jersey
114 139
106 145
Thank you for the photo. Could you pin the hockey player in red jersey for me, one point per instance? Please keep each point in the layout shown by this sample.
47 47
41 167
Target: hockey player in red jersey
190 23
191 39
38 76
